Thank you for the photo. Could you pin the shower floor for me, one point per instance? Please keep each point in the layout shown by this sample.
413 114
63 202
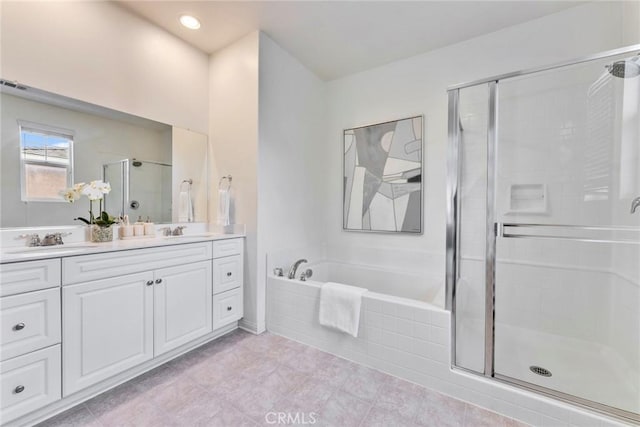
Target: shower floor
579 368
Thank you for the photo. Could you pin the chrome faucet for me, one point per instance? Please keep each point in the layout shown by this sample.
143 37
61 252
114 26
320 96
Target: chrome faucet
166 231
178 230
634 204
51 239
34 239
294 268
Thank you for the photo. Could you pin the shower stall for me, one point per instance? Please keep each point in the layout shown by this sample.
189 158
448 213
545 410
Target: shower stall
139 188
543 232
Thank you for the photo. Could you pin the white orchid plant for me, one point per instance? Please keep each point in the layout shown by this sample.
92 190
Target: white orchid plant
95 190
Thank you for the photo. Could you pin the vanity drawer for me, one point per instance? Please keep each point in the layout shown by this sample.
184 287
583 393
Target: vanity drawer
19 277
227 308
228 247
85 268
29 322
29 382
227 273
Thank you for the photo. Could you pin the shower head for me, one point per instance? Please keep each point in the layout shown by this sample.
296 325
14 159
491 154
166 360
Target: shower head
136 163
626 68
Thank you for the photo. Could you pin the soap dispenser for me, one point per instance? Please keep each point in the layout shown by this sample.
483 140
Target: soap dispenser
138 227
126 229
149 228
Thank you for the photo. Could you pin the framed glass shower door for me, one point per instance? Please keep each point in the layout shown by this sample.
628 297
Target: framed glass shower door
543 231
567 246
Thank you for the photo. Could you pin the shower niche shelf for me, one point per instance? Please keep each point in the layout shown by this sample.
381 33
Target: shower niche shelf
528 199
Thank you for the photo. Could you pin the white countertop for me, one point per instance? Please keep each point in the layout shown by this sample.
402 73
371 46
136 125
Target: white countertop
23 253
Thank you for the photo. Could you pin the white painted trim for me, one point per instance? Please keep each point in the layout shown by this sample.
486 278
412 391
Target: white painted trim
250 327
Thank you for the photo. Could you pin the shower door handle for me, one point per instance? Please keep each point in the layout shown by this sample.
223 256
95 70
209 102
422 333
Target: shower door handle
579 233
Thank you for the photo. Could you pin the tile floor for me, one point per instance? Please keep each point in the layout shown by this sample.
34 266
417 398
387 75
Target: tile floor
247 380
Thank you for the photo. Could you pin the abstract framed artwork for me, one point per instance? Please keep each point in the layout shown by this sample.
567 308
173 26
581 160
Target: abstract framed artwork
382 173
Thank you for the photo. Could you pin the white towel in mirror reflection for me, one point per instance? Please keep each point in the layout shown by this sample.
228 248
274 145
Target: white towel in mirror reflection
185 206
224 200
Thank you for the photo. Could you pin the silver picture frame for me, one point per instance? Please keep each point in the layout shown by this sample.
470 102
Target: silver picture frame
383 179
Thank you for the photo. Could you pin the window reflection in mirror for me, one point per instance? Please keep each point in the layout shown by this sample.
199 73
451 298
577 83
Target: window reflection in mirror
45 161
49 142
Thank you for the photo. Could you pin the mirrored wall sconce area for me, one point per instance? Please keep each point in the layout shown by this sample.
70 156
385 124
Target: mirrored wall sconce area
51 142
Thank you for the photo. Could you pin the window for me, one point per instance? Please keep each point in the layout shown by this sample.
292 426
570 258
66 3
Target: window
46 161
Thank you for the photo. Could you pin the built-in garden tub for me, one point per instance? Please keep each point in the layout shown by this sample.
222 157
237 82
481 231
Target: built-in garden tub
404 329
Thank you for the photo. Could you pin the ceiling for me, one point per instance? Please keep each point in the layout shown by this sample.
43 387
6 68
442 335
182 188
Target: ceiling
337 38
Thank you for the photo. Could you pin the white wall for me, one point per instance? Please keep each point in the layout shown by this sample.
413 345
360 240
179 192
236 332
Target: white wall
418 85
233 136
189 151
100 53
291 161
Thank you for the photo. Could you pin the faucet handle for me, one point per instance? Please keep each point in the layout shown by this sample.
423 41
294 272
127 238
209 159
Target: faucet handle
178 230
34 239
58 237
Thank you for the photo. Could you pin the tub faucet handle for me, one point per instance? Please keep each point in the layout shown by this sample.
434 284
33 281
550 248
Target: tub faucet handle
279 272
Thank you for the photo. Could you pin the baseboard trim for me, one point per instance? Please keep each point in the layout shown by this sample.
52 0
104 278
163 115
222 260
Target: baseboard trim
249 327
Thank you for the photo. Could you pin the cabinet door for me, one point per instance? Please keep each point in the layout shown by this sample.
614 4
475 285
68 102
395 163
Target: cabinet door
107 328
182 305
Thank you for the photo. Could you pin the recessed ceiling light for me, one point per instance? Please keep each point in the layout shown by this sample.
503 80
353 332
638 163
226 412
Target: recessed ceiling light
190 22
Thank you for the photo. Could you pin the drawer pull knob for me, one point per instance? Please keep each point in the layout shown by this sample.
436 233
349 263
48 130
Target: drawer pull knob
229 308
158 281
18 389
19 326
149 282
229 274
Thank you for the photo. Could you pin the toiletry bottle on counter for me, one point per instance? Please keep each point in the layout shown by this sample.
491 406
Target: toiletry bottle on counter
138 227
149 228
126 229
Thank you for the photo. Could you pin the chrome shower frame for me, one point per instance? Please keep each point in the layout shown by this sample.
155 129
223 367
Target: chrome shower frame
494 229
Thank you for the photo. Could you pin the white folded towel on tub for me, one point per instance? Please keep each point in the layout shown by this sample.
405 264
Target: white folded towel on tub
340 307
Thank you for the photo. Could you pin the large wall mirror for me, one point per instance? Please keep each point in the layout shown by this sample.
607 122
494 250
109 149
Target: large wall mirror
49 142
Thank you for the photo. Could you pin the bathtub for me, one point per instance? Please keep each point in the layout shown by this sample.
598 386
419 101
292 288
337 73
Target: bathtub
383 282
404 329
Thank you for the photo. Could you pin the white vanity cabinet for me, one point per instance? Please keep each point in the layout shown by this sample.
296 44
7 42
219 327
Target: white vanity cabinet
228 274
73 326
107 328
30 374
113 324
182 305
